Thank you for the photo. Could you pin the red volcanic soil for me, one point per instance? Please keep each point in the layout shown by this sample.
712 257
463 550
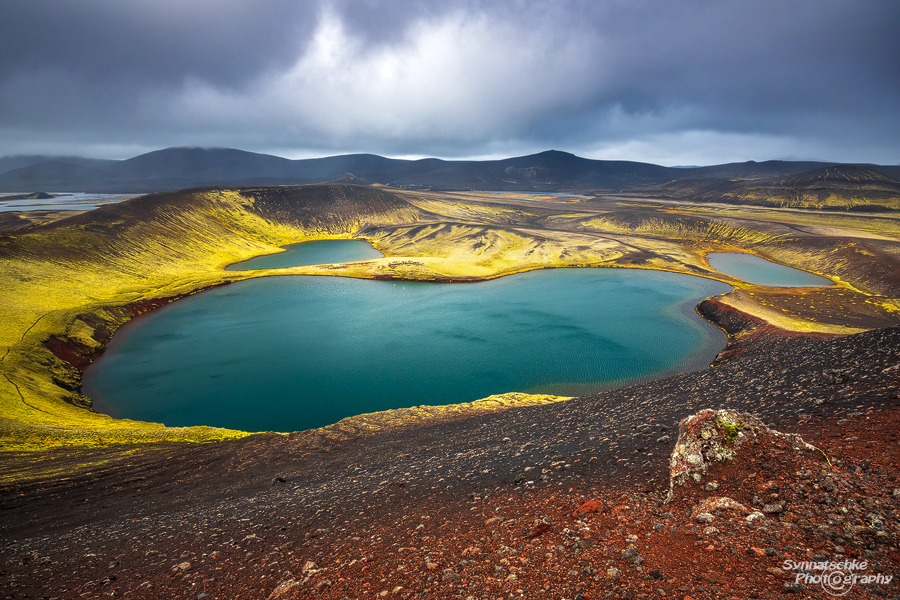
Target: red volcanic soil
558 501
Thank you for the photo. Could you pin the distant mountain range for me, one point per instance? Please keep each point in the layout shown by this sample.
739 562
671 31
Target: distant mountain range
177 168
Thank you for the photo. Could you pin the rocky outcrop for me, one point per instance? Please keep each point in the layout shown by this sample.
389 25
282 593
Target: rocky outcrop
715 436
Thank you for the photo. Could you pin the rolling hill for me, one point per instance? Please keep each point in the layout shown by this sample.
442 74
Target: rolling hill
840 187
179 168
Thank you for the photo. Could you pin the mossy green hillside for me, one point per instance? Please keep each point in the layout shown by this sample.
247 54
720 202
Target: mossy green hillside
69 284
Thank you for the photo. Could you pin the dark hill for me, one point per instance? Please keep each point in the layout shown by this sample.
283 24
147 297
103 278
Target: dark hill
844 176
180 168
31 196
11 163
757 170
546 171
837 187
55 175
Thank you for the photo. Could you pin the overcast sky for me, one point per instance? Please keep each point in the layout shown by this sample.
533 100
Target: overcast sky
674 83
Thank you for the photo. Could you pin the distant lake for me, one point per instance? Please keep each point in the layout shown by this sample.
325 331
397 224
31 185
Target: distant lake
64 201
319 252
536 196
297 352
760 271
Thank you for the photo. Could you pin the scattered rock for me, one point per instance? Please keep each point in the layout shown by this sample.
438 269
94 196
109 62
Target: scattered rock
182 567
286 590
775 508
307 567
718 504
755 516
591 506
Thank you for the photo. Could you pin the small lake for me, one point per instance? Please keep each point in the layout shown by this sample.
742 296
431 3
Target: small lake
760 271
319 252
297 352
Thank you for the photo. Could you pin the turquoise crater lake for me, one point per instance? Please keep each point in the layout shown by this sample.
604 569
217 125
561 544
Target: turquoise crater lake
319 252
297 352
760 271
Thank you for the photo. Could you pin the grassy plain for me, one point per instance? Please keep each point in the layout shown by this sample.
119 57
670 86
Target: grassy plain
68 284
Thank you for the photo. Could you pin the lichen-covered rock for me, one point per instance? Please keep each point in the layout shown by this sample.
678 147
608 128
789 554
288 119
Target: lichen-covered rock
711 436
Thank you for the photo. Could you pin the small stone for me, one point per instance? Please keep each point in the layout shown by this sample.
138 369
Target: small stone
449 575
778 507
711 486
704 517
793 588
629 552
431 566
307 567
591 506
507 440
397 589
755 516
182 567
613 572
285 590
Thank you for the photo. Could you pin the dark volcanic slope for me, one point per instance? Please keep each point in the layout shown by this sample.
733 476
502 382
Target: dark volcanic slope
139 511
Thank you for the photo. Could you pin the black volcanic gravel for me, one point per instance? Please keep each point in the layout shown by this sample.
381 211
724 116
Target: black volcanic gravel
153 506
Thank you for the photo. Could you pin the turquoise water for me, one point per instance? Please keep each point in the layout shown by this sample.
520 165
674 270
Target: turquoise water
760 271
291 353
320 252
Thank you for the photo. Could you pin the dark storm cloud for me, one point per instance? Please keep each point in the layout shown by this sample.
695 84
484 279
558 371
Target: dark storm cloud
670 82
155 42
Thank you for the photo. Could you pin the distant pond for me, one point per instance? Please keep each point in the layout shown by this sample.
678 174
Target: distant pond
319 252
760 271
297 352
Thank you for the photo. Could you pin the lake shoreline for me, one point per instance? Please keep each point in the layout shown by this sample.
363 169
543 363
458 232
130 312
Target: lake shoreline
80 356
